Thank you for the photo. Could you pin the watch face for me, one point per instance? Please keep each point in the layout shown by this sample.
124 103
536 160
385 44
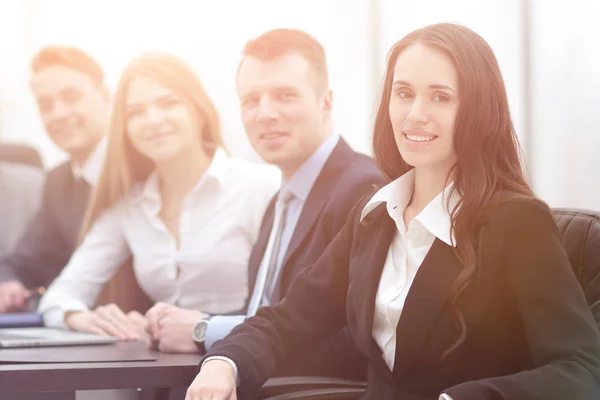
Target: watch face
199 331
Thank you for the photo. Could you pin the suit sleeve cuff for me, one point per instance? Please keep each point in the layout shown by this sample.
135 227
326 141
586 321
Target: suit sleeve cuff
230 361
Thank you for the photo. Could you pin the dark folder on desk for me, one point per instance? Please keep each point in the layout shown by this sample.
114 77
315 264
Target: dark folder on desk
118 352
21 320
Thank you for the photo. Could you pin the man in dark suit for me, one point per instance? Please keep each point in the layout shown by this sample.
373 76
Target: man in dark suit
286 105
74 104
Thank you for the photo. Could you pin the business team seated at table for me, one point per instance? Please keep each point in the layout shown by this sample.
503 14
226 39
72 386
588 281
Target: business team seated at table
431 272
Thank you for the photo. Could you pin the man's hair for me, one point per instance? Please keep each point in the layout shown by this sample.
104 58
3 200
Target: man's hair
69 57
278 42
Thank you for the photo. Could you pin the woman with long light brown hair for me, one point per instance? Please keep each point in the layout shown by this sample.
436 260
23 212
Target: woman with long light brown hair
452 279
169 197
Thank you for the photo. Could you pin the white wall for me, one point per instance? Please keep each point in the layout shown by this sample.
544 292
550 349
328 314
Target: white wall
210 35
564 89
566 102
17 120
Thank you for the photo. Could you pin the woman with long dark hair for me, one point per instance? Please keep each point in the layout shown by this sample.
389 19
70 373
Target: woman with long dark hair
452 279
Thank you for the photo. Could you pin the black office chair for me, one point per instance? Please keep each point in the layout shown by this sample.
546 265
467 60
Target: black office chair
20 154
580 231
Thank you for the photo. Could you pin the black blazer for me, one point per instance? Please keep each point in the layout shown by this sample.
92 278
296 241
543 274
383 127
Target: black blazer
51 238
530 332
346 177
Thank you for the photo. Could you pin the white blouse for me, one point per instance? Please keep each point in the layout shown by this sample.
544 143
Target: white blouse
219 223
406 253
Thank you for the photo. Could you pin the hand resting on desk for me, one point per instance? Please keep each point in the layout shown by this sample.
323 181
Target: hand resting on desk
108 320
13 296
170 328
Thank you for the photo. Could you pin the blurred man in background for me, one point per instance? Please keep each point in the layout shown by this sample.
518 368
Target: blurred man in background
73 102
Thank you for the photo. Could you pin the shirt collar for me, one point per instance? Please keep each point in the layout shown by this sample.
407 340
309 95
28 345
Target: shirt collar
435 217
90 170
216 171
303 180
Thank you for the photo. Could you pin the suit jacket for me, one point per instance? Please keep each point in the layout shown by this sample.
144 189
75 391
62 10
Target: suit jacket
346 177
50 240
530 333
21 188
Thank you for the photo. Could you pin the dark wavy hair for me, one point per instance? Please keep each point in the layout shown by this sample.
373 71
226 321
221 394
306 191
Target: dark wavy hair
488 154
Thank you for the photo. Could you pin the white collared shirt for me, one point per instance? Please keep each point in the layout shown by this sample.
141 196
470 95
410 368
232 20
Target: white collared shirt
219 223
406 253
90 170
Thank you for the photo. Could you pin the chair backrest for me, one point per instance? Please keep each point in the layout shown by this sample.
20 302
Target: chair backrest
20 154
580 231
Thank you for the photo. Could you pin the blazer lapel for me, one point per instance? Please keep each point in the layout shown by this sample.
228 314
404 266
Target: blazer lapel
317 199
79 196
311 210
366 266
426 299
258 250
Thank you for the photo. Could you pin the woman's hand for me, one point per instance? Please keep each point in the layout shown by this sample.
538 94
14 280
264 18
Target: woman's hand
107 320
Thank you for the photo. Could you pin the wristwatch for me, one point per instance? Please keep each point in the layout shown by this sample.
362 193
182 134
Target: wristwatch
199 334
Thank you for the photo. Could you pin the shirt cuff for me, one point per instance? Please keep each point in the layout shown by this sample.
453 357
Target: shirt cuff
444 396
55 318
219 327
230 361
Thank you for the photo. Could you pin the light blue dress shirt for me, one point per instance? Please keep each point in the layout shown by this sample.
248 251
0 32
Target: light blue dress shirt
300 185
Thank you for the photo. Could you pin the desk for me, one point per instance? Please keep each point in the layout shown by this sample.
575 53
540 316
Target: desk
169 370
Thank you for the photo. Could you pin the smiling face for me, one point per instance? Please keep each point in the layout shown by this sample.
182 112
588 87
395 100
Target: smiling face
73 108
423 107
160 124
285 113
